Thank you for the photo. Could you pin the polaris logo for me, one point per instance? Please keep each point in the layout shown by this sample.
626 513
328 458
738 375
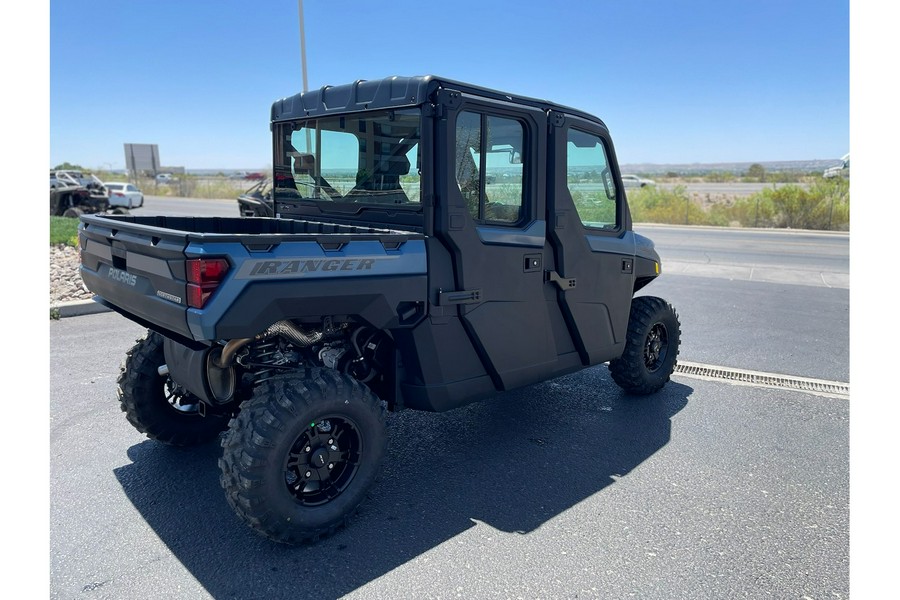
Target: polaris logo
121 276
293 267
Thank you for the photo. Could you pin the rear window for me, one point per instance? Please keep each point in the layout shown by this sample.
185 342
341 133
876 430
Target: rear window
368 158
114 186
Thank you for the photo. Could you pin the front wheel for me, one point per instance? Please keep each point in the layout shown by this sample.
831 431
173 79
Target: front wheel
302 454
155 406
651 347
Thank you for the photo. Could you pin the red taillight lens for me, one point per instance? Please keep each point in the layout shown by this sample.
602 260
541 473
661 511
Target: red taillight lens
198 294
204 276
206 270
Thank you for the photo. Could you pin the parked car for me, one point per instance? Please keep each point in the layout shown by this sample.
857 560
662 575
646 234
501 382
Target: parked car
124 194
841 170
257 201
164 178
254 176
633 181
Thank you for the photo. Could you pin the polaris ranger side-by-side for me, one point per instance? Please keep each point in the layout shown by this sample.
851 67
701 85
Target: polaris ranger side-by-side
434 243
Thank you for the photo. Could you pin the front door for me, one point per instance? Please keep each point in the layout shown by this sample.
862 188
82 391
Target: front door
591 233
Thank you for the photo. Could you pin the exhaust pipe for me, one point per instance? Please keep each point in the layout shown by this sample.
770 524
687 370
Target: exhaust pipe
284 329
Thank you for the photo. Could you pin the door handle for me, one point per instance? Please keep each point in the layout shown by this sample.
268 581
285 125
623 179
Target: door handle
564 283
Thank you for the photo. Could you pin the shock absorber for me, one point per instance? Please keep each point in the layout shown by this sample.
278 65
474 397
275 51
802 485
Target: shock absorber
259 356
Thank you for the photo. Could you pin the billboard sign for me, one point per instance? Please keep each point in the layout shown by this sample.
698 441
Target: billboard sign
142 158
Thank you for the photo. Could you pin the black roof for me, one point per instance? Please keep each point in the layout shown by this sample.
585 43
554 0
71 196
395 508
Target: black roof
394 92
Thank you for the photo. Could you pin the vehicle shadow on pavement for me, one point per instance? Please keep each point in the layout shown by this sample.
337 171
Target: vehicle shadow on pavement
513 463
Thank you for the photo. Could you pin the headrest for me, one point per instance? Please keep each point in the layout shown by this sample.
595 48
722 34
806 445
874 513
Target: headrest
392 165
304 164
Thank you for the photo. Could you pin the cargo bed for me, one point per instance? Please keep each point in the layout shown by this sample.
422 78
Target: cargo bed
140 267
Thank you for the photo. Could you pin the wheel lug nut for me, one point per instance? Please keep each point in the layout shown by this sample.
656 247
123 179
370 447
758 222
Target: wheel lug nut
307 449
330 441
308 473
330 465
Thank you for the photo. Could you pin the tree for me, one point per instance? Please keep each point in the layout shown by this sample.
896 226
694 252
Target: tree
757 171
67 166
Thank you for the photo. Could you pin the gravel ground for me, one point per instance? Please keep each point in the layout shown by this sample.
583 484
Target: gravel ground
65 281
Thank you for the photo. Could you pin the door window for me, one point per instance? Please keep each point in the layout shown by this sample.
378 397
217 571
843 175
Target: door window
590 180
489 168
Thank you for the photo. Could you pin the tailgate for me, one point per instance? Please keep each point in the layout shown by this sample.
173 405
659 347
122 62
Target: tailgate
138 271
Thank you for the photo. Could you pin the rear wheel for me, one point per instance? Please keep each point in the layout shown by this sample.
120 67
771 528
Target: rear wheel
73 213
302 454
155 406
651 347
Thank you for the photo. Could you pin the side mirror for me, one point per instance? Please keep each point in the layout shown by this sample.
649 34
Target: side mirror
608 184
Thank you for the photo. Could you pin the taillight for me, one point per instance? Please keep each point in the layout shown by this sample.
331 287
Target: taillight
204 275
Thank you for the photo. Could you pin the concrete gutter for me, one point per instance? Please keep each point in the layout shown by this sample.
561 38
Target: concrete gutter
76 308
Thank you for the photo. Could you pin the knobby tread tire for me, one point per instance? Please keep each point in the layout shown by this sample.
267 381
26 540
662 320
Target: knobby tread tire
629 371
253 453
141 398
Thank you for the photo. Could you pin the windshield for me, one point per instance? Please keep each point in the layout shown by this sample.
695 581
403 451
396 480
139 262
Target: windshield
368 158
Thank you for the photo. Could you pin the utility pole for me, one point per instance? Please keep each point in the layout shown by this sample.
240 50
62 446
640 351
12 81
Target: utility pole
303 47
303 67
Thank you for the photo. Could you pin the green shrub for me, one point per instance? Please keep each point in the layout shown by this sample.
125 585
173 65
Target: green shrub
753 211
655 204
721 177
823 205
64 230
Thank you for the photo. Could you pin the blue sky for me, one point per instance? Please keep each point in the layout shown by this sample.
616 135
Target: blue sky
676 82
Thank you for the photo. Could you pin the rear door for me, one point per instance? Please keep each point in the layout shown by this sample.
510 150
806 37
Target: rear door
495 229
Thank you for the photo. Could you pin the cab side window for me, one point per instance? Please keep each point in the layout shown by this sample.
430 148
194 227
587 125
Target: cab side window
489 168
590 180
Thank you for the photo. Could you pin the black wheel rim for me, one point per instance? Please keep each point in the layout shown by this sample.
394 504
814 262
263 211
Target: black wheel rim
178 400
323 460
656 347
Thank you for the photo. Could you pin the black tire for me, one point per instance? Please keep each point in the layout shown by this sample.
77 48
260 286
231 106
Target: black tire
73 213
153 405
120 210
302 453
651 347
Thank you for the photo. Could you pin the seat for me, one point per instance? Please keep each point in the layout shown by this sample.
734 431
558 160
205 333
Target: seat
383 187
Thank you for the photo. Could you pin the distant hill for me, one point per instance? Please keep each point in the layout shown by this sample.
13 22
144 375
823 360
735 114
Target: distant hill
736 168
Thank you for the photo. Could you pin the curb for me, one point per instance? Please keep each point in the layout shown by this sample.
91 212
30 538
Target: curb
76 308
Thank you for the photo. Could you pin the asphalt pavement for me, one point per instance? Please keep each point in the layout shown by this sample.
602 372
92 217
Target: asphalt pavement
565 489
